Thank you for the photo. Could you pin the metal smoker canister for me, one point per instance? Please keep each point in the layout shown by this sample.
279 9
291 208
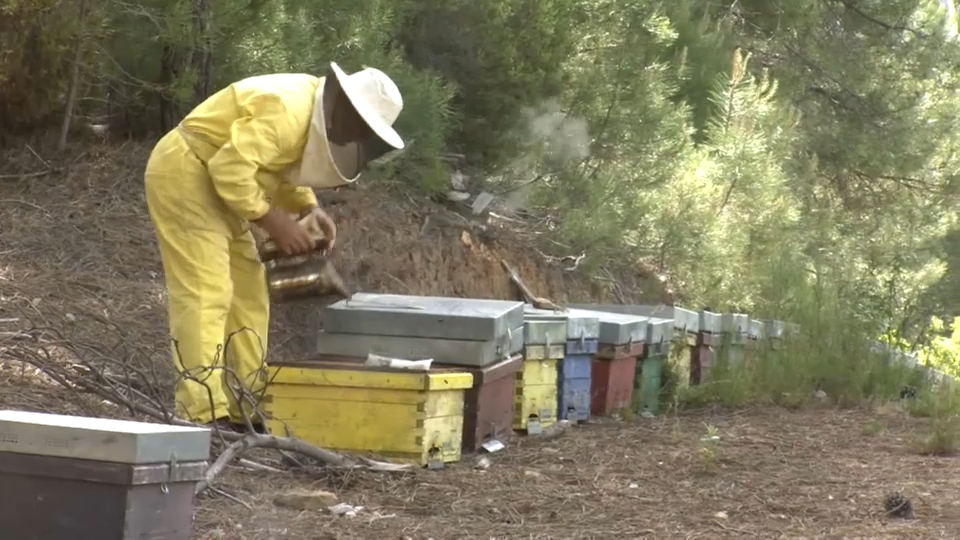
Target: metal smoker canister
298 277
303 276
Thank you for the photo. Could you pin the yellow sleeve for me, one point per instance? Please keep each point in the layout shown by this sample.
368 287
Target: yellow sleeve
255 141
293 199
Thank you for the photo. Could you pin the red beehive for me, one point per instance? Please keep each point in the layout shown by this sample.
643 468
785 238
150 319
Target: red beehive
703 355
611 382
488 406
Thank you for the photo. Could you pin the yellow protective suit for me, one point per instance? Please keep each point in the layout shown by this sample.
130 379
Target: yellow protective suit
204 182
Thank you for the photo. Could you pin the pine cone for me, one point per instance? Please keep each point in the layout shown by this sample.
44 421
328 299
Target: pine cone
896 505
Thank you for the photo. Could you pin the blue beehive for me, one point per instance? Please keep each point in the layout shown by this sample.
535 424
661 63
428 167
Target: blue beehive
574 379
574 387
582 346
575 369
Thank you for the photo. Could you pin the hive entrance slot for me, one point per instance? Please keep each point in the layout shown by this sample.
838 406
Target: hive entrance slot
434 458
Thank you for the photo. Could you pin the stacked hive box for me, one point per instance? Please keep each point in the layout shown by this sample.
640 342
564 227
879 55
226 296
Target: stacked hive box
342 404
489 406
733 327
791 329
430 418
686 325
614 367
66 477
574 370
709 339
773 331
682 346
536 384
656 350
891 356
755 338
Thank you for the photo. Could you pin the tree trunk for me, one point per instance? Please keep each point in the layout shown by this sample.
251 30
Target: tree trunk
74 80
176 59
203 53
171 67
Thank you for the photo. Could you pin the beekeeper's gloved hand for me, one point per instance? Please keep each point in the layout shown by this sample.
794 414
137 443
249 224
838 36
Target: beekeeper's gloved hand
326 224
285 232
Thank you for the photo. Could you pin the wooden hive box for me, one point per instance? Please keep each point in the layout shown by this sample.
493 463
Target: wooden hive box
682 352
686 325
70 477
620 340
341 404
582 346
708 340
733 328
488 405
755 338
574 387
773 333
648 379
611 382
536 389
704 356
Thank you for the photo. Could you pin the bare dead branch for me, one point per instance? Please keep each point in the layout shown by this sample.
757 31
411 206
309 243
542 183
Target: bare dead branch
88 369
527 294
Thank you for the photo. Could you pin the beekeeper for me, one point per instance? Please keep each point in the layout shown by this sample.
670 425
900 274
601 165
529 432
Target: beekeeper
251 153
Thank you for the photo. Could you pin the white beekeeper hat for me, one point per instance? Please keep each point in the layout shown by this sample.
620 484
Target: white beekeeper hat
376 98
378 102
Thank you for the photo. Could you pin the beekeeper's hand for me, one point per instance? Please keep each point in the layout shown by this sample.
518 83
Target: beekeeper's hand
326 224
289 236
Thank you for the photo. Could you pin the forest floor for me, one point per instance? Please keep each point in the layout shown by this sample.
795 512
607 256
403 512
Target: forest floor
773 474
79 258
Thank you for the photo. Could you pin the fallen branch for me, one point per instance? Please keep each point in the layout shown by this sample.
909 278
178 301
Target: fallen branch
24 176
232 497
558 260
254 440
254 466
14 336
87 371
526 294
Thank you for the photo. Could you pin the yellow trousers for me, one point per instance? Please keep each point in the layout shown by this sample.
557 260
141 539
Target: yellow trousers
219 307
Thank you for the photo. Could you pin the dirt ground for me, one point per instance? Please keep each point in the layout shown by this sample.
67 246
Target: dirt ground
774 474
77 257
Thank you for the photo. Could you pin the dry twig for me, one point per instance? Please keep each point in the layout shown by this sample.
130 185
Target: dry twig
85 371
526 293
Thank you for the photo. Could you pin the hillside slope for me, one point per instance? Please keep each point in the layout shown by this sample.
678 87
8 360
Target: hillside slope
76 245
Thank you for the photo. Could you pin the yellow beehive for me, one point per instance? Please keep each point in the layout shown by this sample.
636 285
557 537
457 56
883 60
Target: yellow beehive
536 395
408 416
681 353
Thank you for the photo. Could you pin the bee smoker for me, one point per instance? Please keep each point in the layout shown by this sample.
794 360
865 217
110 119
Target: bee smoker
300 277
